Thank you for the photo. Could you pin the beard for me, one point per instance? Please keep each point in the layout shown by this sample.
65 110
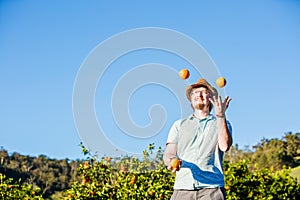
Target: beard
199 106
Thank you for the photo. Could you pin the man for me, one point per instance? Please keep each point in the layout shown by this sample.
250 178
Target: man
199 141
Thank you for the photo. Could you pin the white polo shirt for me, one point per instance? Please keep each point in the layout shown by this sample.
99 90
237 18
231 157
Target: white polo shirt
198 149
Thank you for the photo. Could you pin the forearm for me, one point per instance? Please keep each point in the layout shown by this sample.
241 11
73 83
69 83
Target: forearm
224 136
167 158
170 153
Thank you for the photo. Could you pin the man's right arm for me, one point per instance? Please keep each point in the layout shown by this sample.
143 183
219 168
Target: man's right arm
171 147
170 153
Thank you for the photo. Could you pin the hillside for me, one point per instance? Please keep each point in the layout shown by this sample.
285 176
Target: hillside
53 175
296 173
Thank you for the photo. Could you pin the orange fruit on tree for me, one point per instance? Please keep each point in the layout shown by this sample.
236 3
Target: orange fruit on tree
123 169
133 180
184 74
86 180
86 165
221 82
107 159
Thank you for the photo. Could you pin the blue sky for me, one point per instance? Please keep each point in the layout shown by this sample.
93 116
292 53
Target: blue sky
255 45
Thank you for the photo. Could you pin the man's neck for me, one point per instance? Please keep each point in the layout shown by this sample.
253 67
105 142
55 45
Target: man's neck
201 114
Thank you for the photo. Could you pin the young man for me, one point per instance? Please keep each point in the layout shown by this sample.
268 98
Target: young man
199 141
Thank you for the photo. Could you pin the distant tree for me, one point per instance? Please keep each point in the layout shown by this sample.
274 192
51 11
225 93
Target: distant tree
3 156
293 147
269 153
277 153
234 155
50 175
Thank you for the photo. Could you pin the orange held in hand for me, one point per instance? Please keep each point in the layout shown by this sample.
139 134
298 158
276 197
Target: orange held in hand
221 82
174 164
184 74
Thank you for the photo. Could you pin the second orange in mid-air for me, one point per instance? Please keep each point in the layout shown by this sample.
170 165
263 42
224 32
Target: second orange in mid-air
221 82
184 74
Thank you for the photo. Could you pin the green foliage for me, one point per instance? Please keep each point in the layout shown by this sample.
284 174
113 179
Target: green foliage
50 175
16 190
124 178
263 176
270 153
115 179
241 183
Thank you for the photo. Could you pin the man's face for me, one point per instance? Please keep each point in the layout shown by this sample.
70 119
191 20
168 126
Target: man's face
199 98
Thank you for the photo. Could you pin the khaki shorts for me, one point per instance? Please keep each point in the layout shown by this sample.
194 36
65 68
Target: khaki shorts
203 194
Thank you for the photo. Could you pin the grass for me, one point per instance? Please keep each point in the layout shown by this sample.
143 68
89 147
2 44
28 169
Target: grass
295 172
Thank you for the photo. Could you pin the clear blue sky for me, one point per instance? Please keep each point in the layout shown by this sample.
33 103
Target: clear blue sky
255 45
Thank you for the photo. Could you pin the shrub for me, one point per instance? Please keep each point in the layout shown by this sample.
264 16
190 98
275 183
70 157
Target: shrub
16 190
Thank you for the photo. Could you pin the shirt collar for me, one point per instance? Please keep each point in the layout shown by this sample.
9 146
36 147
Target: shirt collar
209 117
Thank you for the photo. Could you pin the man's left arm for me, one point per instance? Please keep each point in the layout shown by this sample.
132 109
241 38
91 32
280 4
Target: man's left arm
224 138
224 134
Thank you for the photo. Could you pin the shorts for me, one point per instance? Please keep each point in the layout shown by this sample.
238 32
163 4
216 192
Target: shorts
203 194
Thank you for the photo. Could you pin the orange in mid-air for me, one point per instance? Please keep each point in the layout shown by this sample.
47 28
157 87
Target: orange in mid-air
184 74
221 82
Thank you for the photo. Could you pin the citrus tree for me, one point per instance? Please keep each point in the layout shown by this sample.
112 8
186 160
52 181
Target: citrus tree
15 190
241 183
131 178
123 178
